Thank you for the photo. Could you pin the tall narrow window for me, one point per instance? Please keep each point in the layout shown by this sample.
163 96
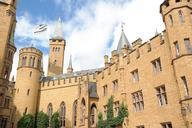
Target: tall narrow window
115 85
171 20
177 51
105 90
30 74
135 75
138 102
105 112
75 114
28 91
62 114
161 95
1 99
156 65
3 122
93 115
181 17
49 111
116 108
185 84
188 45
83 111
25 110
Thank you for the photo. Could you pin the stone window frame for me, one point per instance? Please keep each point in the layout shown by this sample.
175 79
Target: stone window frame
115 85
135 75
166 125
157 66
105 90
138 101
116 108
161 95
62 115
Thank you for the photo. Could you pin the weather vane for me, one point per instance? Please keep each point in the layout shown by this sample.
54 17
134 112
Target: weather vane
122 26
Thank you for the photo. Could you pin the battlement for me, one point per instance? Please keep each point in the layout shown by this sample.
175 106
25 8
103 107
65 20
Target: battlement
139 49
167 6
30 50
66 80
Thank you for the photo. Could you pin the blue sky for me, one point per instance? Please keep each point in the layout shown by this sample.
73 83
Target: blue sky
91 27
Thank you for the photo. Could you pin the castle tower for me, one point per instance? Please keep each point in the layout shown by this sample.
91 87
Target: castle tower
7 51
56 53
70 67
177 16
27 81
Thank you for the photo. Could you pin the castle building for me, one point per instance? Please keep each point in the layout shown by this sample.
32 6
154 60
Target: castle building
7 50
152 78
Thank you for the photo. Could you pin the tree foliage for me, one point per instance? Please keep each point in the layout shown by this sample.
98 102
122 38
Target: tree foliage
55 120
112 121
42 120
26 121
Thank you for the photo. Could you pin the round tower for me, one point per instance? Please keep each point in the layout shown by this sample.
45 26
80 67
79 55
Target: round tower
27 81
177 16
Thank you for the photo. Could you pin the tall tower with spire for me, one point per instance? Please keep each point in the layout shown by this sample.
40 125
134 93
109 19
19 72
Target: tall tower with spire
56 53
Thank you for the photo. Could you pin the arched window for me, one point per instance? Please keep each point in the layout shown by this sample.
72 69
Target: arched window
171 20
25 110
62 114
181 17
93 114
75 114
6 73
49 111
24 59
83 111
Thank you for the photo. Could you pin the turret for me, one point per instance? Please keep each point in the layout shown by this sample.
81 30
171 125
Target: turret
70 67
56 53
177 17
27 81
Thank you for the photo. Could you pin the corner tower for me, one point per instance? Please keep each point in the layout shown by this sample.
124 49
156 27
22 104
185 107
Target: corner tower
27 81
177 16
56 52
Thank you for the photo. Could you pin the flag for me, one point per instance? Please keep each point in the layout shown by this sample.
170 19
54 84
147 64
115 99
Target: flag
41 28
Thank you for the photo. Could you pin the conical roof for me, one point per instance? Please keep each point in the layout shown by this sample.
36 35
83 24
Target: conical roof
123 42
58 30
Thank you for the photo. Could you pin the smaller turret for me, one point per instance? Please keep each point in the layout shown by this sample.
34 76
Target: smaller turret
70 68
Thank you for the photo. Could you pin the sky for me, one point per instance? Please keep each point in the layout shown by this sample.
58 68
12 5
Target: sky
91 28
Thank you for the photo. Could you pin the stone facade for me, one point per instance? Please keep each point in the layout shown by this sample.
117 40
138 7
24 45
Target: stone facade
7 50
153 78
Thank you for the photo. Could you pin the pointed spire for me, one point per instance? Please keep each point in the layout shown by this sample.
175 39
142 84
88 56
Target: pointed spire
58 30
123 41
70 68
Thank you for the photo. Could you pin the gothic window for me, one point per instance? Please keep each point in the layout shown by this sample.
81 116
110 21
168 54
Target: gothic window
7 101
24 59
171 20
116 108
32 61
185 85
1 99
115 85
83 111
6 73
105 90
156 65
75 114
3 122
93 114
138 102
161 95
62 114
177 50
181 17
39 63
135 75
188 45
49 111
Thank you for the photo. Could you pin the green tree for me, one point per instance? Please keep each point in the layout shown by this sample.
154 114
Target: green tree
26 121
100 120
42 120
110 108
55 120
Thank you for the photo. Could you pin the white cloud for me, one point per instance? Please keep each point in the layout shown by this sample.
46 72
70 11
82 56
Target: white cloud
90 31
